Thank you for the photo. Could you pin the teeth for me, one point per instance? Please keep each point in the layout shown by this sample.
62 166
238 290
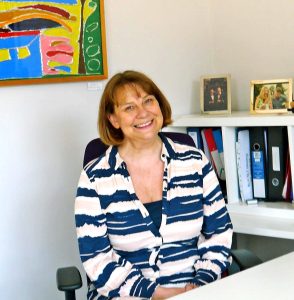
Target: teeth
143 125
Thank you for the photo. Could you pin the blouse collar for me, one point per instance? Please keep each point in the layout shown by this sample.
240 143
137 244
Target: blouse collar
115 161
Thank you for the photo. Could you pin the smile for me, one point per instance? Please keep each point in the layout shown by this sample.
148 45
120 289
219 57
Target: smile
144 124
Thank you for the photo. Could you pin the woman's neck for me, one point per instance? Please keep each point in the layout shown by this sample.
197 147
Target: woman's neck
130 150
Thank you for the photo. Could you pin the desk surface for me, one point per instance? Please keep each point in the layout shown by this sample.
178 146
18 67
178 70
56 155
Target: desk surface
272 280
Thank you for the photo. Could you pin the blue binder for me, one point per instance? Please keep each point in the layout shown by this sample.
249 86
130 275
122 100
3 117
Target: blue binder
195 133
217 135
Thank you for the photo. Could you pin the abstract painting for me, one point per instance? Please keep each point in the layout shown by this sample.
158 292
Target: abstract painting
52 41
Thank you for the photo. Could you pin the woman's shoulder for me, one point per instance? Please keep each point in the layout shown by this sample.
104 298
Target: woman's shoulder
100 162
94 164
184 149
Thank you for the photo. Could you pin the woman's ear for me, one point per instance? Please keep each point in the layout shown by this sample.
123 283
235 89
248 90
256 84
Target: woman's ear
113 120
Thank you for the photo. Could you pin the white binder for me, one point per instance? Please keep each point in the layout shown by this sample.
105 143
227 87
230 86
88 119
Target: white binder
244 165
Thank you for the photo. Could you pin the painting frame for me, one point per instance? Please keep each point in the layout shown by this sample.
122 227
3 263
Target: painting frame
270 96
100 47
215 94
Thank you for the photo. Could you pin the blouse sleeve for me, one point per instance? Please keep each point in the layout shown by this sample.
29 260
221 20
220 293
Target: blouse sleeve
111 275
215 240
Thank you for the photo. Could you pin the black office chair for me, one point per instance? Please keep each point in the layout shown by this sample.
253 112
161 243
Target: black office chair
69 278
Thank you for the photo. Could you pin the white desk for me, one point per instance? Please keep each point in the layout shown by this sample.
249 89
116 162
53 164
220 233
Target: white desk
272 280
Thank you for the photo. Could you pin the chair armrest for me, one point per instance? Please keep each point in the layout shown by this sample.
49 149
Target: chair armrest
233 268
245 258
68 279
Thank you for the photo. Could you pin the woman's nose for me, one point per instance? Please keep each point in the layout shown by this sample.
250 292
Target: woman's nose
142 111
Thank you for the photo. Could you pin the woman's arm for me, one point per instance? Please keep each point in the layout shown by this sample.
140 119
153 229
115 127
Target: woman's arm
216 235
112 275
270 104
258 103
165 293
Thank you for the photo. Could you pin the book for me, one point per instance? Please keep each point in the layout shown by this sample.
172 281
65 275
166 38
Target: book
211 144
205 147
217 134
287 188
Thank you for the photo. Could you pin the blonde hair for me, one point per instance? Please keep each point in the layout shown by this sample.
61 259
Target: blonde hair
262 92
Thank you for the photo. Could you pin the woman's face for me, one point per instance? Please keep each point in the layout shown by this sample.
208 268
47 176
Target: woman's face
265 92
136 113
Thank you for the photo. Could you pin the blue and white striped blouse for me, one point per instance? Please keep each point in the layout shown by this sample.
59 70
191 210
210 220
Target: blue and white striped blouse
124 254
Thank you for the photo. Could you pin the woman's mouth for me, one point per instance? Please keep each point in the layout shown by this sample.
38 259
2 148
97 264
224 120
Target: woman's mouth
143 125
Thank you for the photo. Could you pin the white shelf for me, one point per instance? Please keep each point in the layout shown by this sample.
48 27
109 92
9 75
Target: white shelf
240 119
273 219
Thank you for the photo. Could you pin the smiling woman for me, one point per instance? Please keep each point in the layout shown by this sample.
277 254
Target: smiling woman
150 216
124 92
136 113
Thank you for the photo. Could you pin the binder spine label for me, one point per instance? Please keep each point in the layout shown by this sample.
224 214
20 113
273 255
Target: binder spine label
257 165
276 159
258 174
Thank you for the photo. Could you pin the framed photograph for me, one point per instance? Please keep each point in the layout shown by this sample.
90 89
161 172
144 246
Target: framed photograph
52 41
215 94
270 96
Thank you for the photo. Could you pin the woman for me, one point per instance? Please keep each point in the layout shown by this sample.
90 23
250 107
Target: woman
263 100
151 219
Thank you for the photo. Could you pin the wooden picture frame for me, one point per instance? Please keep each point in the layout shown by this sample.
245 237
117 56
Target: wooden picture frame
52 41
270 96
215 94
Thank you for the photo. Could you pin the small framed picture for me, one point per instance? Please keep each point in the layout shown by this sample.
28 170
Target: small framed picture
215 94
270 96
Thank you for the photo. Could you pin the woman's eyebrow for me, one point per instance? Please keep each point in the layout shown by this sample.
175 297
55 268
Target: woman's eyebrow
125 103
148 95
132 102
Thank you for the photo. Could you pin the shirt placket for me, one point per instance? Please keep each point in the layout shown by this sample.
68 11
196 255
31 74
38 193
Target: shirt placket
164 189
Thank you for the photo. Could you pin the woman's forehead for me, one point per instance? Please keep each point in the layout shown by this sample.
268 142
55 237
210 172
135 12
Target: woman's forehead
127 90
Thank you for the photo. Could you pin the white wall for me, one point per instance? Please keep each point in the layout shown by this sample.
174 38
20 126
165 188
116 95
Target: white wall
44 129
252 40
160 38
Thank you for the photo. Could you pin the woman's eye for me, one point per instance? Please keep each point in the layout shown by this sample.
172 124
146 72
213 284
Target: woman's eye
129 108
149 100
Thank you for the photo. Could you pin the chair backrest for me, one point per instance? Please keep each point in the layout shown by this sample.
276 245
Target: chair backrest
96 147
